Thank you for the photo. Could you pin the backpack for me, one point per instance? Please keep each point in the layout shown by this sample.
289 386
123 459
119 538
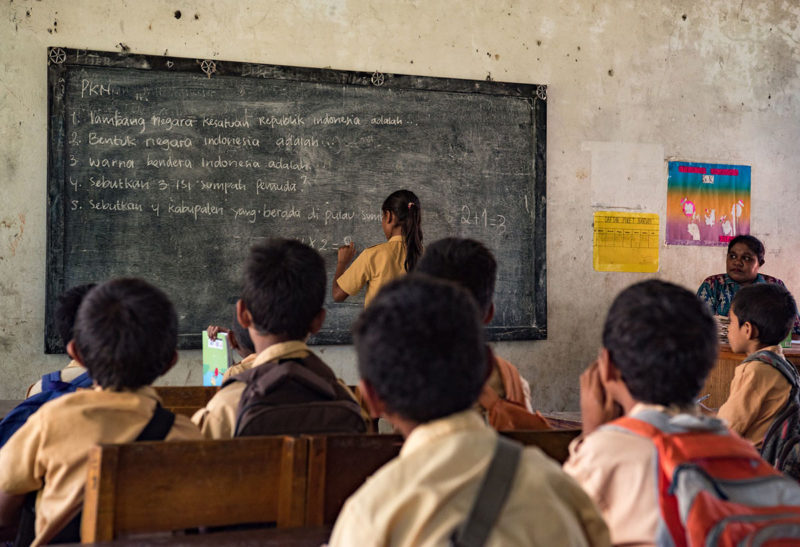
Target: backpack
781 446
293 396
712 486
52 388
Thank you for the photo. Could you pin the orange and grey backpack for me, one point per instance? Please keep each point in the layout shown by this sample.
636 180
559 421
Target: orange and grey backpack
713 487
295 396
781 446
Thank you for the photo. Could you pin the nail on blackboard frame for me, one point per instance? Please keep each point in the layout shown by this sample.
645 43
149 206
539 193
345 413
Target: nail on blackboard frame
133 190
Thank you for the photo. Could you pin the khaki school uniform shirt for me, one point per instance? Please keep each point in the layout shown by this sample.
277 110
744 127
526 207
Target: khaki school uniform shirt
425 493
616 469
375 266
218 419
241 366
52 448
758 393
69 373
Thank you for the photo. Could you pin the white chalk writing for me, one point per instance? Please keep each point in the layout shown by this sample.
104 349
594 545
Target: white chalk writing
114 162
263 186
166 143
123 183
168 162
195 210
118 205
229 163
234 142
290 141
327 119
117 120
272 121
89 88
95 140
169 123
223 187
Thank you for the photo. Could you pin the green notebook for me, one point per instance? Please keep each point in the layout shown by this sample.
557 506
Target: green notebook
217 357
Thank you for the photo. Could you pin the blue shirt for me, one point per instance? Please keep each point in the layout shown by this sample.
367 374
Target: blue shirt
718 291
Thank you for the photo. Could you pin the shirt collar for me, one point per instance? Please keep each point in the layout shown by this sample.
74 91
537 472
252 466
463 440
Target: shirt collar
671 410
282 350
729 281
396 238
424 434
144 391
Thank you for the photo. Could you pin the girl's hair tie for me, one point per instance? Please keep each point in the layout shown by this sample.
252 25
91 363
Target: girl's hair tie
410 204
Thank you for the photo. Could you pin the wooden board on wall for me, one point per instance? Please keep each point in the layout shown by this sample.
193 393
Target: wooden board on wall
171 168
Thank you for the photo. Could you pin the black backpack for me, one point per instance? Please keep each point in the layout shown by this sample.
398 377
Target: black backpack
781 446
295 396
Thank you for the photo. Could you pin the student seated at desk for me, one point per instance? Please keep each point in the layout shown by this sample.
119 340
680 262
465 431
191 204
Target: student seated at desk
744 258
126 336
472 265
659 343
66 311
761 317
281 305
423 360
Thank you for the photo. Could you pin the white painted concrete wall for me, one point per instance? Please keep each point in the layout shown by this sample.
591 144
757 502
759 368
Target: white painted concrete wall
631 84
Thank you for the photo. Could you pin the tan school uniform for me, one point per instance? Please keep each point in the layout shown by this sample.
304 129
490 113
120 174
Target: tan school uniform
425 493
218 419
241 366
374 267
51 449
758 392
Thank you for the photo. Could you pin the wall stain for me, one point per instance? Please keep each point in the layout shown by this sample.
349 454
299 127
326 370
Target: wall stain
123 47
17 229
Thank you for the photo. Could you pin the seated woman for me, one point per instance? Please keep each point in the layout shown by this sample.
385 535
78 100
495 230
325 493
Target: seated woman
745 256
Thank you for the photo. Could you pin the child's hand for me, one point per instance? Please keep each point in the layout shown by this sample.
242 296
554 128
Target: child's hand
597 407
346 253
214 330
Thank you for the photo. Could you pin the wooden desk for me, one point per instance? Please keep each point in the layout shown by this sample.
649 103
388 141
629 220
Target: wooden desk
718 383
271 537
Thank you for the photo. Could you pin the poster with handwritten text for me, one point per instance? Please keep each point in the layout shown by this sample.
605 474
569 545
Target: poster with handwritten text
707 203
625 242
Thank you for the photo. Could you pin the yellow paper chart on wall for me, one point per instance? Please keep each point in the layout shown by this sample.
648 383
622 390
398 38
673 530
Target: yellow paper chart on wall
625 242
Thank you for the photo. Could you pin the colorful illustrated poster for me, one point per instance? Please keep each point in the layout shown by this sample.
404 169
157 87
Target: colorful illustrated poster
707 203
625 242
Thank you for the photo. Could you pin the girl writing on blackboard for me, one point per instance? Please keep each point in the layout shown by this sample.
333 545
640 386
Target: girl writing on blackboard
401 221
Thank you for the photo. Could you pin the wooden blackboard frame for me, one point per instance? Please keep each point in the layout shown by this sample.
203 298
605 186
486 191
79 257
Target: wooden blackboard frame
60 60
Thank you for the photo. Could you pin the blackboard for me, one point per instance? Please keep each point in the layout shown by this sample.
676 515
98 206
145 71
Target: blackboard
170 168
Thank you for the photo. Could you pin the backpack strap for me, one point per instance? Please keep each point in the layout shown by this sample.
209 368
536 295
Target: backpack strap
781 364
52 380
159 425
491 497
156 430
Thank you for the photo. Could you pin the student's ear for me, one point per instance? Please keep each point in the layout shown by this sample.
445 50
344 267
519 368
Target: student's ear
749 330
374 403
171 363
608 370
243 314
391 219
489 314
72 351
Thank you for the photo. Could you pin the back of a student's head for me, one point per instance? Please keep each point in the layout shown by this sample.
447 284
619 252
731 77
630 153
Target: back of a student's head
126 333
467 262
663 340
769 307
67 310
420 345
284 287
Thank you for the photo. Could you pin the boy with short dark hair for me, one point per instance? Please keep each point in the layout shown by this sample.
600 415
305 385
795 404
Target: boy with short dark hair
281 305
471 264
761 316
659 344
66 312
423 360
126 336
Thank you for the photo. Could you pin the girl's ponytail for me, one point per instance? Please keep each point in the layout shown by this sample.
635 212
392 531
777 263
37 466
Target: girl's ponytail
405 206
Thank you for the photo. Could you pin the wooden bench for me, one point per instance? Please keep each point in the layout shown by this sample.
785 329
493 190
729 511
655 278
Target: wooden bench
150 487
554 442
185 400
338 465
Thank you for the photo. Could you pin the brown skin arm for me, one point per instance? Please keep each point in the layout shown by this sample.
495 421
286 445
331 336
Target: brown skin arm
345 256
10 508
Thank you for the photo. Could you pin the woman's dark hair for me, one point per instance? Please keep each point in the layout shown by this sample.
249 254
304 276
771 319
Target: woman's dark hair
405 206
753 243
